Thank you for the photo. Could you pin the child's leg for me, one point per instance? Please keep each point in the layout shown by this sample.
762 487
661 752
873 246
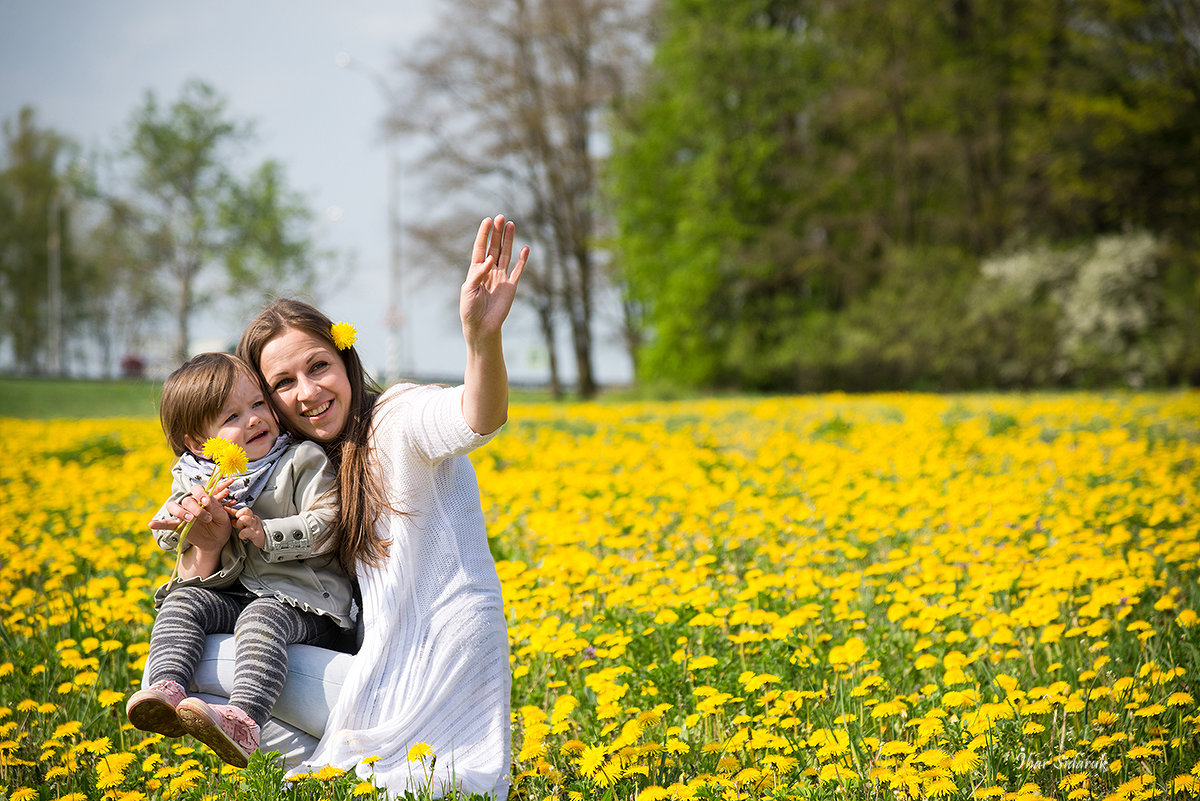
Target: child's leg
187 616
263 631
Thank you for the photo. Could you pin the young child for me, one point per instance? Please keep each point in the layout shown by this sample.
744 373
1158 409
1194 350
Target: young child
279 581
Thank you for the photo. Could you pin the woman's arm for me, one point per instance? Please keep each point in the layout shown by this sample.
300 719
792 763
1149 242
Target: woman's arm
484 302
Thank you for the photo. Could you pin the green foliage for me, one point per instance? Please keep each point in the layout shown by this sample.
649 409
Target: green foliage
34 222
197 212
826 227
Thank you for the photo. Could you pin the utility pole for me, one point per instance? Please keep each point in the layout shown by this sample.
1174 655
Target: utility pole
54 284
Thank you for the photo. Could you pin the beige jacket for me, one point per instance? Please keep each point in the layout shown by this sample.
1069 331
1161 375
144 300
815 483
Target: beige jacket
298 564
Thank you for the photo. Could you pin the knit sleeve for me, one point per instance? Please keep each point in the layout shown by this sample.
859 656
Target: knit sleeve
425 419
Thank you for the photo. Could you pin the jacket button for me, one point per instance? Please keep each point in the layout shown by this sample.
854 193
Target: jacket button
296 535
279 536
325 594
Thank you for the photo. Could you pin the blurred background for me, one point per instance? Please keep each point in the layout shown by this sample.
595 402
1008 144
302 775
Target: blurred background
745 195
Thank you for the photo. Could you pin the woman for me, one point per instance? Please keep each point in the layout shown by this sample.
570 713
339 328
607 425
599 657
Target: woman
433 664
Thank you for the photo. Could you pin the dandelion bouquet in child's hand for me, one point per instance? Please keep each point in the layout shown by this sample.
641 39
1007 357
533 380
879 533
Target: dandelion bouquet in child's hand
230 460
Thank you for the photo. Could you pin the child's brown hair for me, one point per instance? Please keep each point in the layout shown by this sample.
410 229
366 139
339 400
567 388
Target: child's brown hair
194 393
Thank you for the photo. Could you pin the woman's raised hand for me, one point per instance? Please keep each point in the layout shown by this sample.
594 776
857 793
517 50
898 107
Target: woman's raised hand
484 302
488 292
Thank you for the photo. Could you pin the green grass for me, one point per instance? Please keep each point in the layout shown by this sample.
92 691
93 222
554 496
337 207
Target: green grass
55 398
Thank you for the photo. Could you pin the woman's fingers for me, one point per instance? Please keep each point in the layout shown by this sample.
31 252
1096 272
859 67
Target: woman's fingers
479 252
522 257
497 243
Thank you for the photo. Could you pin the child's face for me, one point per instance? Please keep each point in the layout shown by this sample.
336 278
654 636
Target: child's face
244 420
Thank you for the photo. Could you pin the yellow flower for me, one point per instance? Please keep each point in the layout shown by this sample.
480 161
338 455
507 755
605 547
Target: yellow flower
99 746
591 759
363 788
419 752
964 761
23 794
230 458
344 335
329 772
68 729
215 447
110 770
939 787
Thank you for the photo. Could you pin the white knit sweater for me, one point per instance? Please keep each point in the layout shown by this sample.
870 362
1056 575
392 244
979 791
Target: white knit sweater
433 667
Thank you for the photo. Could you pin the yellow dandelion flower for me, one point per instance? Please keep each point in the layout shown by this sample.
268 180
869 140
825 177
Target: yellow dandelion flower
344 335
215 448
940 787
419 752
933 757
231 459
328 773
654 793
68 729
887 709
23 794
896 748
110 697
1186 784
1180 699
110 770
184 781
1150 711
99 746
748 776
591 759
964 761
831 773
363 788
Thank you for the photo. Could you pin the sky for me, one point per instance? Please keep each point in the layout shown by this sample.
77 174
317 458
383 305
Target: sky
85 66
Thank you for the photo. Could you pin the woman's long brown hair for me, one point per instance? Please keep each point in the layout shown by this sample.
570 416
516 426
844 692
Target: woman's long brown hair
362 496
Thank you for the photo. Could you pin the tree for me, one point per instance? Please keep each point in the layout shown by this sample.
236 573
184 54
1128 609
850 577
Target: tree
525 119
201 219
38 270
762 222
706 197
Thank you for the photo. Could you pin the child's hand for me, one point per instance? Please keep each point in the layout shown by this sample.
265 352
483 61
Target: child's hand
250 527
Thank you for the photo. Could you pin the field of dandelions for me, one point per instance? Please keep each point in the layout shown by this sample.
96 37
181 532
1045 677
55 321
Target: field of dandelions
890 596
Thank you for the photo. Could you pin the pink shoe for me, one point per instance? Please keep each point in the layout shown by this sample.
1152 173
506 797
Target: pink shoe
227 730
153 708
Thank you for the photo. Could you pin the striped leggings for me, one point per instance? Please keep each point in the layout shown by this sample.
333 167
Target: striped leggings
262 628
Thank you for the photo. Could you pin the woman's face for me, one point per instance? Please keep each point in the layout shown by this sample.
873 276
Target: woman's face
308 383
